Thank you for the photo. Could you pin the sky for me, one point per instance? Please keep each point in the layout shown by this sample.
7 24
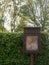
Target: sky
7 22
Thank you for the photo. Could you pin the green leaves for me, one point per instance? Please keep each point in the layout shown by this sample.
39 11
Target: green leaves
11 51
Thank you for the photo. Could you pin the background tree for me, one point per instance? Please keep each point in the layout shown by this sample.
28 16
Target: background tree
37 13
21 25
34 12
2 20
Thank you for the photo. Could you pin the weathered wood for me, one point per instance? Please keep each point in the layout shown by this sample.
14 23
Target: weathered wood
32 59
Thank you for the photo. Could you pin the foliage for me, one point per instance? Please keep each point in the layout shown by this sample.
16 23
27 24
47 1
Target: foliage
11 50
34 12
43 57
21 25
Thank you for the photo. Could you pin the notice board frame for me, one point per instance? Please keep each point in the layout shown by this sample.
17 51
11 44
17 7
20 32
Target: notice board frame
32 31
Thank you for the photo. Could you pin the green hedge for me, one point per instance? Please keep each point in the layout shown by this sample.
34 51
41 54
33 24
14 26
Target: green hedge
11 50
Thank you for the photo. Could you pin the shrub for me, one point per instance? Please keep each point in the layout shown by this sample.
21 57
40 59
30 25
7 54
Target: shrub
11 50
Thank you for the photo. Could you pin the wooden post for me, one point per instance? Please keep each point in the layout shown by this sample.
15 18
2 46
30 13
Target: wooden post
32 59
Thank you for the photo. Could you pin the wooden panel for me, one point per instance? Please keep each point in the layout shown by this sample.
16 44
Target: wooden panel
32 40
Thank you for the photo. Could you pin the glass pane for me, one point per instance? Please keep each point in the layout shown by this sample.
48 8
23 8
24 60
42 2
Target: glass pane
31 42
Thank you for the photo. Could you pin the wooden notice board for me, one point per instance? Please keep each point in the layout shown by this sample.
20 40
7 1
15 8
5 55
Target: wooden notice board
31 40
